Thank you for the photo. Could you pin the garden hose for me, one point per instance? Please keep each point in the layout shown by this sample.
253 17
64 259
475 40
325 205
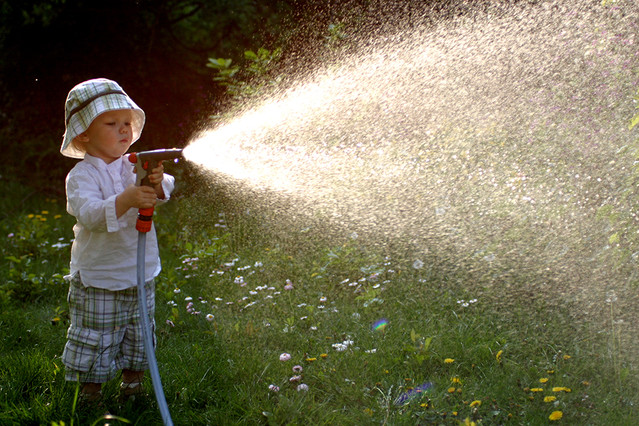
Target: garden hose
148 335
145 162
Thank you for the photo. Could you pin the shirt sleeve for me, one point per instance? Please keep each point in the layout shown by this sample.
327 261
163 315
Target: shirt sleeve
86 203
168 184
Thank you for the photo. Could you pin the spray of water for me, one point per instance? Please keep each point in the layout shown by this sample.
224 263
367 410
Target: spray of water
488 142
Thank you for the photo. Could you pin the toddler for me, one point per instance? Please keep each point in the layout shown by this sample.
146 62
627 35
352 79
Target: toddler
105 334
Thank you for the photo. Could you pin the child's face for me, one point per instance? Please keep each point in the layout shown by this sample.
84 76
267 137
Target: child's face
109 135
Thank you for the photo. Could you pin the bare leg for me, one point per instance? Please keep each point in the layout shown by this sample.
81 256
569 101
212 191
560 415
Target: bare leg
91 391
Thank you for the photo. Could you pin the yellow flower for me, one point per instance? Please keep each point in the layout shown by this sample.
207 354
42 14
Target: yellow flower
536 390
311 359
58 216
567 357
368 411
45 212
550 371
323 355
468 422
561 389
556 415
475 403
550 398
31 216
498 356
449 361
424 405
543 380
456 380
451 389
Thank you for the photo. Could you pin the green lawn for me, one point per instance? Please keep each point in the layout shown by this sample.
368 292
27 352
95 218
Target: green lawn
360 336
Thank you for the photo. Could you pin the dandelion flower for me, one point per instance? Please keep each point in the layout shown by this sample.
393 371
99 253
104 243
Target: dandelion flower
536 390
561 389
451 389
311 359
498 356
323 355
456 380
285 357
556 415
550 398
475 403
449 361
543 380
567 357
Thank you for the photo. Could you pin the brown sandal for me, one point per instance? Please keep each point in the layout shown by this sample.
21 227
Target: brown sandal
128 391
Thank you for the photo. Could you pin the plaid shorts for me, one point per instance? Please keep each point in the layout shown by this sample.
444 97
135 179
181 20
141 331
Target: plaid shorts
105 335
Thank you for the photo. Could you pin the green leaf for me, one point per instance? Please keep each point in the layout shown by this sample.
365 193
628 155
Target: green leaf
614 238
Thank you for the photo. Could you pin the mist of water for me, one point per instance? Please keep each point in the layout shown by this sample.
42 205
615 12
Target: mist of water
489 142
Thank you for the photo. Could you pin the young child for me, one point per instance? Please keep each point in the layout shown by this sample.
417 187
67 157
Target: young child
105 334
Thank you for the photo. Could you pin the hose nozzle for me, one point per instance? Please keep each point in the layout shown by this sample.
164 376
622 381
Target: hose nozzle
146 161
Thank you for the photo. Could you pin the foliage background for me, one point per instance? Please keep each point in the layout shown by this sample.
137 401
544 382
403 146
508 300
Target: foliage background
157 50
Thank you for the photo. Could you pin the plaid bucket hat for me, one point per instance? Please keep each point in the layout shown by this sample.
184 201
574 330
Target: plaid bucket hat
89 99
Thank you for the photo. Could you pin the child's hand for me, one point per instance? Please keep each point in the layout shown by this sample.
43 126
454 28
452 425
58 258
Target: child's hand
156 177
141 197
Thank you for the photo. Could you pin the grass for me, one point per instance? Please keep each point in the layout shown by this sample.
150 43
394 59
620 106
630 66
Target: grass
225 316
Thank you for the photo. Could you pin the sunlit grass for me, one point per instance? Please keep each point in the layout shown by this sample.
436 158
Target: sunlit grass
253 331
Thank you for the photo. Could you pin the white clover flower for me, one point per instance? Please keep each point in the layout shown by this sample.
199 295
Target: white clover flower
302 387
339 347
285 357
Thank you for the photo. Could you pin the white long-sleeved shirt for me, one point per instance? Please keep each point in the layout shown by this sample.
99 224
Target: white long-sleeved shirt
104 250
